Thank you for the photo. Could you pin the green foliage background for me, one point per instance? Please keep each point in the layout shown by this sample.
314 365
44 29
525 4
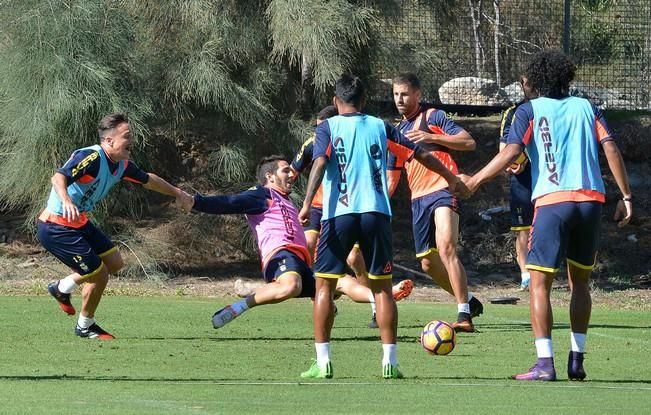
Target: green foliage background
256 69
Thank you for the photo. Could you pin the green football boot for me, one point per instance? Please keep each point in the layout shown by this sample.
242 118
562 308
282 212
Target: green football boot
391 372
315 372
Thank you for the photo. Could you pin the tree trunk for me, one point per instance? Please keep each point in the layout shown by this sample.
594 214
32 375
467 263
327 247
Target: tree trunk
496 45
475 16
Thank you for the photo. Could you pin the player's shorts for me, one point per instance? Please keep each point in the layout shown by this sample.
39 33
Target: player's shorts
422 211
338 235
285 261
81 249
520 203
564 230
315 220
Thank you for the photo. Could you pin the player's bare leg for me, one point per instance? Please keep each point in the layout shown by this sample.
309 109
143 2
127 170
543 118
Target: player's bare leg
323 318
312 239
432 265
541 323
387 319
521 250
447 234
288 285
580 310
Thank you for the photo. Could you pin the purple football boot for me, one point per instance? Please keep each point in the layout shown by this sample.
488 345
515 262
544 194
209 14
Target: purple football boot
575 369
542 370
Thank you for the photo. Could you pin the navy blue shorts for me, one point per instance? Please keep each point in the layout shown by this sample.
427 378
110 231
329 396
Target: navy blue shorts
422 211
81 249
285 261
338 236
315 220
520 203
564 230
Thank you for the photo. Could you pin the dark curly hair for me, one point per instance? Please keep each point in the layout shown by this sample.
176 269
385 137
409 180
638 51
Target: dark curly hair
550 72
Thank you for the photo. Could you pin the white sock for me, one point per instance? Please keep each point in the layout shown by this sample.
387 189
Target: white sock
578 342
525 276
544 347
85 322
470 296
322 354
389 354
371 300
240 306
463 308
67 285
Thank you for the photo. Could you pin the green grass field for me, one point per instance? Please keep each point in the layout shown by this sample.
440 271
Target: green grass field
169 359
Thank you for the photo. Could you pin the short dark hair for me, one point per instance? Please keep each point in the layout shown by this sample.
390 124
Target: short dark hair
326 112
109 122
407 78
550 72
268 164
350 89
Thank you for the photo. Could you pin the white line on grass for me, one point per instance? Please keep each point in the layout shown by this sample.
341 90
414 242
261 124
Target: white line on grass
585 385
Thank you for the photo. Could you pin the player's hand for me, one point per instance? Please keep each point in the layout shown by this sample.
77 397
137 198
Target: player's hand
515 168
70 211
184 202
458 188
419 137
304 215
623 212
469 182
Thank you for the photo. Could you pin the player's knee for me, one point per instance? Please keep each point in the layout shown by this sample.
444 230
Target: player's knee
447 251
426 264
291 289
115 265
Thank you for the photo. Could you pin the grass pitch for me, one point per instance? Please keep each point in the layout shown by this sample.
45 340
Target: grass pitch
169 359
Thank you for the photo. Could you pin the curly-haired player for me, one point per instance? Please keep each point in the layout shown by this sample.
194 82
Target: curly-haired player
562 136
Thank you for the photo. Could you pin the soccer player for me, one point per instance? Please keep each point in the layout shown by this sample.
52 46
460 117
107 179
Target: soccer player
273 219
435 211
355 261
520 203
562 136
351 150
64 228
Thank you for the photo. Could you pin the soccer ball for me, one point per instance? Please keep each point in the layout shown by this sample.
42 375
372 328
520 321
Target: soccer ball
438 337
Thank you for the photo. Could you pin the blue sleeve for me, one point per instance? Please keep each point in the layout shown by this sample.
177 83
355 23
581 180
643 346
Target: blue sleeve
522 126
398 144
322 142
445 125
81 163
304 157
135 174
252 201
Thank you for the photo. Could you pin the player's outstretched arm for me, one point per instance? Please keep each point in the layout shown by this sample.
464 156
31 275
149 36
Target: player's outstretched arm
60 185
501 161
159 185
624 209
461 141
455 185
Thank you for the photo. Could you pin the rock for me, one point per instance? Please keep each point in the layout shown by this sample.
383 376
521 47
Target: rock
514 92
471 90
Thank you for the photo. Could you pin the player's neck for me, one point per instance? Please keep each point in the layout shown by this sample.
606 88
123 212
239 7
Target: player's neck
276 189
412 113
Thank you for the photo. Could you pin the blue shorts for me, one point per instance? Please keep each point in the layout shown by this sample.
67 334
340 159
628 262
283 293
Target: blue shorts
520 203
338 236
81 249
315 220
564 230
422 211
285 261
